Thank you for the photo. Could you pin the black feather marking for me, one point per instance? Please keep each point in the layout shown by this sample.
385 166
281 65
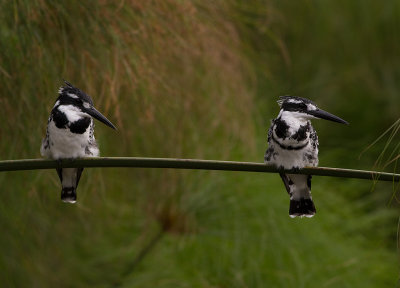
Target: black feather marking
80 126
59 118
301 134
78 175
281 128
294 107
289 147
302 207
309 182
46 141
59 172
308 157
314 139
91 135
270 130
286 180
268 154
68 194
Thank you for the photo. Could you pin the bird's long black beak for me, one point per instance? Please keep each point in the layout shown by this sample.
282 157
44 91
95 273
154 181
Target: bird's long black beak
96 114
319 113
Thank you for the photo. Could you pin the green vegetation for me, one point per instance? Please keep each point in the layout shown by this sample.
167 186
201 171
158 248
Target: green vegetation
198 80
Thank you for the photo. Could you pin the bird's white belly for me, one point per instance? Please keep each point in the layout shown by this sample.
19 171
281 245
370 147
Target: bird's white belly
289 159
65 144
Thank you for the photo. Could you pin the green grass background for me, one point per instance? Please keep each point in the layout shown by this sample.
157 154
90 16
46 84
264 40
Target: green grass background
196 79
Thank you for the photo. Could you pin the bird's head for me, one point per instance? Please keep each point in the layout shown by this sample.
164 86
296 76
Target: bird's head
75 104
302 108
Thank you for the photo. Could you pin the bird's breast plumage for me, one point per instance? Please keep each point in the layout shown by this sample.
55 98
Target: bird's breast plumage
69 139
292 144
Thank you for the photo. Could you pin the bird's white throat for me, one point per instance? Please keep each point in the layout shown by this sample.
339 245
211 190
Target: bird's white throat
72 113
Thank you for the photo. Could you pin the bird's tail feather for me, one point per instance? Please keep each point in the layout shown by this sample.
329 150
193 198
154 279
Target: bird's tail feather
68 194
299 189
69 181
303 207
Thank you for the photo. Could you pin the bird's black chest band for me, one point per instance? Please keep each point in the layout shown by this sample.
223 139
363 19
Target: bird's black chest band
288 147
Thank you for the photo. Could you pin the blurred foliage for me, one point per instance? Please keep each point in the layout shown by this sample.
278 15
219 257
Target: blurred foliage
342 55
197 80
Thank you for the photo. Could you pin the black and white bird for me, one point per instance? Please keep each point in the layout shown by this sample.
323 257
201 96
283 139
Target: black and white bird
293 144
70 134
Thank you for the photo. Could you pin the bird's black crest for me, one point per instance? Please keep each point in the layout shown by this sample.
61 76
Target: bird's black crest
69 88
293 99
294 103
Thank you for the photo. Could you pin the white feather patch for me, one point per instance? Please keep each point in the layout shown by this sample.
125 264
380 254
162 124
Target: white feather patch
73 113
311 107
72 95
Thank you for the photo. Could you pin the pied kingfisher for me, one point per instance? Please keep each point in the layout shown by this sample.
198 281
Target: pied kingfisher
293 144
70 135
